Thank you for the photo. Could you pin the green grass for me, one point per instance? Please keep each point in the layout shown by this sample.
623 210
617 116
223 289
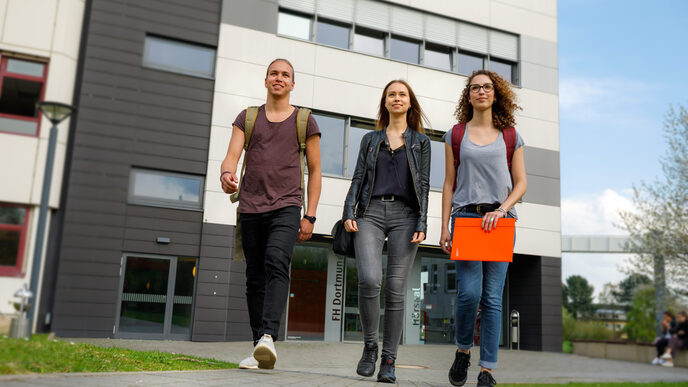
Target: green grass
655 384
41 355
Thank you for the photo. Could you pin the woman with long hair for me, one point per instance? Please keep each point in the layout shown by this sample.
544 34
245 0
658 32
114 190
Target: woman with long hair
388 198
490 178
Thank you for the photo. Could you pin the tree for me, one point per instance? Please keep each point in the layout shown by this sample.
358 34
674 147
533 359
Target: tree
625 290
578 296
640 325
659 222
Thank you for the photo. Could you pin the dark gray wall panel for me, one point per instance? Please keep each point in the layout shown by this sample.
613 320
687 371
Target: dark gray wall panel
258 15
129 116
543 190
541 162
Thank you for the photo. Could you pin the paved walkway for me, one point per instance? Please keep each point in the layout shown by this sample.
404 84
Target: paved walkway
333 364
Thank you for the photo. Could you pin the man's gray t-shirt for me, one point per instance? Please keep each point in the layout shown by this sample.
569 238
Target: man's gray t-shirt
483 175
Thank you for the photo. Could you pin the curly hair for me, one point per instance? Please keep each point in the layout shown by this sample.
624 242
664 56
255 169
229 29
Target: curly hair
502 110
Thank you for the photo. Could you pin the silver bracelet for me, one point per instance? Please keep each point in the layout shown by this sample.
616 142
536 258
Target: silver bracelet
503 210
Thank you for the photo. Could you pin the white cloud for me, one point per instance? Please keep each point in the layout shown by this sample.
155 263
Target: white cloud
598 269
596 214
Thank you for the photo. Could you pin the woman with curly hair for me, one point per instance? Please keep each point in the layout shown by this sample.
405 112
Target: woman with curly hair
485 181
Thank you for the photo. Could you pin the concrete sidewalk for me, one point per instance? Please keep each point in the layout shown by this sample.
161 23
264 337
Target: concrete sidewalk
333 364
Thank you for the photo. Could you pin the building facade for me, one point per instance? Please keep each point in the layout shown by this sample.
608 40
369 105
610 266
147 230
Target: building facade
145 241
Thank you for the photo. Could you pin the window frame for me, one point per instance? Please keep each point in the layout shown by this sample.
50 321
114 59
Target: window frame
43 80
514 68
434 47
401 38
149 201
311 25
17 269
315 29
173 69
483 57
373 34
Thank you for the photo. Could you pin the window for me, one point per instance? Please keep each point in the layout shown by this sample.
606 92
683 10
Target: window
13 229
165 189
504 69
331 149
356 133
436 163
179 57
438 57
294 25
469 63
369 42
404 50
450 284
22 84
332 34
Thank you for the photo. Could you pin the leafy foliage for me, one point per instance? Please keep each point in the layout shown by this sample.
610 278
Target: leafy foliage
577 293
641 318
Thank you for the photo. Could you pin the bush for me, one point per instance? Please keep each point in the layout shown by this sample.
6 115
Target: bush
573 329
641 317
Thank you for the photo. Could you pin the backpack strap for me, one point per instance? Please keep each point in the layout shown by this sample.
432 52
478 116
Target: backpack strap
458 132
301 127
249 123
509 135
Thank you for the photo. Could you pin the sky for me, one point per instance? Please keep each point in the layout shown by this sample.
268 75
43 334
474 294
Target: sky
622 65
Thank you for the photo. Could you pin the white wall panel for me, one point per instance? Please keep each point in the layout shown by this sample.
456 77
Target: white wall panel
458 9
227 106
523 22
538 105
548 7
67 27
345 98
3 13
261 48
539 217
29 23
440 113
241 78
19 152
38 174
537 242
435 84
538 133
357 68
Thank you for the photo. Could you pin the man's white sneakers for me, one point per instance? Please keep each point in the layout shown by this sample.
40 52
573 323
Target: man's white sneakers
250 363
265 353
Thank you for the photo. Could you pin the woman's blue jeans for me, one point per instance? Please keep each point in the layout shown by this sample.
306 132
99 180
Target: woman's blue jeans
479 284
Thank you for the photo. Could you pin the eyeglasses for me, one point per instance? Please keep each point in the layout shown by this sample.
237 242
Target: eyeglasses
475 88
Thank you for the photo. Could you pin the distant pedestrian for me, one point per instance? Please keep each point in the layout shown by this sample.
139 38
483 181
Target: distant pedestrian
388 199
490 178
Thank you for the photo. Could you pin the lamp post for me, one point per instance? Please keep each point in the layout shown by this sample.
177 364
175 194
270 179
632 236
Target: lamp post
55 112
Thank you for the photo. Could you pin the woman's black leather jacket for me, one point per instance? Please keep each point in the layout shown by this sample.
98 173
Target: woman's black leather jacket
418 154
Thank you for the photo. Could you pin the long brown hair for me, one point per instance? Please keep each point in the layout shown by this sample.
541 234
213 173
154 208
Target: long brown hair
414 116
503 108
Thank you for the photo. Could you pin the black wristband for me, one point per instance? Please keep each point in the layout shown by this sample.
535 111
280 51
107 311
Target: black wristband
310 218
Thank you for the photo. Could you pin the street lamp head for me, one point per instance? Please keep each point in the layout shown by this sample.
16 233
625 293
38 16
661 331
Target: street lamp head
56 112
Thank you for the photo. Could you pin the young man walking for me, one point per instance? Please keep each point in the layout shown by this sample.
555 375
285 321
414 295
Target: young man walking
270 202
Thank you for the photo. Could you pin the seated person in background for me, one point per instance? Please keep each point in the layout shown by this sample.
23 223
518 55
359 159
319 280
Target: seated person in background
661 342
678 340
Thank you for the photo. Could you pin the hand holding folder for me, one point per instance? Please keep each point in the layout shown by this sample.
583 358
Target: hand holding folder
471 243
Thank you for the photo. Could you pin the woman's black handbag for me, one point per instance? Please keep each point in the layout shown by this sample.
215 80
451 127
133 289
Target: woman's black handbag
343 241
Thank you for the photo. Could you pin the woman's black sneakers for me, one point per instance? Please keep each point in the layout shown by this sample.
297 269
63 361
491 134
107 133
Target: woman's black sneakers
458 373
386 374
366 366
485 379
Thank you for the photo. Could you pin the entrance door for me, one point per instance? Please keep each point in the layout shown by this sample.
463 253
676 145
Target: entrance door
353 330
307 291
156 297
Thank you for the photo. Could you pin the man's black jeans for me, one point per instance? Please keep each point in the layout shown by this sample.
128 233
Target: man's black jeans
268 241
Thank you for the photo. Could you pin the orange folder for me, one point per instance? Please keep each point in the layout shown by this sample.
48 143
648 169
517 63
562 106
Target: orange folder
472 243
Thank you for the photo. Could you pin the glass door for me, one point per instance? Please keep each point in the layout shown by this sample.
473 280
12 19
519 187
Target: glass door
353 331
307 293
156 297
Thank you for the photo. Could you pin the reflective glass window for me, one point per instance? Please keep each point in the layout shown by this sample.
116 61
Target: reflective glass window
504 69
165 189
179 57
356 133
331 145
438 57
369 42
436 164
404 50
469 63
293 25
332 34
